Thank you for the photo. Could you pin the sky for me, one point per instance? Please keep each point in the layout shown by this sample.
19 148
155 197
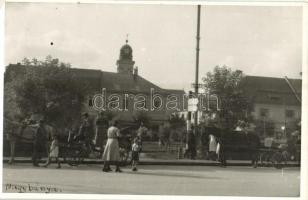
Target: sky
259 40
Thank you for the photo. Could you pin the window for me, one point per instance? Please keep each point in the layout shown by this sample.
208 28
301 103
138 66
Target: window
274 98
145 103
264 112
117 86
157 102
125 103
290 113
90 101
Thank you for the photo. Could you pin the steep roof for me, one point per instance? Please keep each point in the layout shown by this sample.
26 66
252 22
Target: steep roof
90 77
113 82
127 82
272 90
119 82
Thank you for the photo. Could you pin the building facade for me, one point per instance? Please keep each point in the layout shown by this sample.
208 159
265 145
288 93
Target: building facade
275 100
124 92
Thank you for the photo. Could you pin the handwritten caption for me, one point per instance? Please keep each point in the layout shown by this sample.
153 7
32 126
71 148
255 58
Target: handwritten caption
30 188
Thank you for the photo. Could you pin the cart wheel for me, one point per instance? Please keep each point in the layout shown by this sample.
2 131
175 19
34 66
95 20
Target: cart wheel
265 158
73 156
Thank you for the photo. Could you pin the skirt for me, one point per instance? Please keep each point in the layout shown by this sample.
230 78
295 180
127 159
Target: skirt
54 153
112 150
212 146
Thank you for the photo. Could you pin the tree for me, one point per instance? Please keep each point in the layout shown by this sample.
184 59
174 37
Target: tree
48 88
227 85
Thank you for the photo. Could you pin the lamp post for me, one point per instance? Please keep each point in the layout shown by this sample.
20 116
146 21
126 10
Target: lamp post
197 65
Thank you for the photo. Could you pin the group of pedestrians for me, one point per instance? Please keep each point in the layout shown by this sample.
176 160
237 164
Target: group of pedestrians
111 153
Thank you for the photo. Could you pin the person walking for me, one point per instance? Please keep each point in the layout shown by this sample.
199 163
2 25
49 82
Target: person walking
191 145
135 153
54 151
39 143
212 147
101 130
111 153
141 133
85 130
221 152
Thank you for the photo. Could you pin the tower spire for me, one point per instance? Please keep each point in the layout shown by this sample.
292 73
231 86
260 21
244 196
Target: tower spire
126 38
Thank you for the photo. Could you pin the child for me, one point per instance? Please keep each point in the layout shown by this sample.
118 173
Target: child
136 147
54 151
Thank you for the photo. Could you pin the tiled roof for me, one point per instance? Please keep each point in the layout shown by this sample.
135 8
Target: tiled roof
90 77
271 90
127 82
113 82
120 82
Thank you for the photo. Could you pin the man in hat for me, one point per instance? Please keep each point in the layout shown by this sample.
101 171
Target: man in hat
101 130
39 142
85 131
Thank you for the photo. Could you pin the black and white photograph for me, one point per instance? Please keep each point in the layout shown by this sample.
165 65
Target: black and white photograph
145 98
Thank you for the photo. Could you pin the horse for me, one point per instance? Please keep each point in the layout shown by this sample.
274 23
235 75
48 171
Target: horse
232 141
23 133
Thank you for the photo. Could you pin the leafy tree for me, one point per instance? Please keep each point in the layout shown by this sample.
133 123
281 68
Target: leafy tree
44 87
227 85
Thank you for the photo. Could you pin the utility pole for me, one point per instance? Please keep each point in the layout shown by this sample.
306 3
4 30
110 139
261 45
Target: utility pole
197 66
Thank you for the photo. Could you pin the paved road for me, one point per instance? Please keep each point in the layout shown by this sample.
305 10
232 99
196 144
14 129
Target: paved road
151 180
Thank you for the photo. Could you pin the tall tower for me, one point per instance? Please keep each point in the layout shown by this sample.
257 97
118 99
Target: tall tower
125 63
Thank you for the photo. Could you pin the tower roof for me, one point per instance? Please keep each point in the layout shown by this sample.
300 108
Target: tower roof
126 52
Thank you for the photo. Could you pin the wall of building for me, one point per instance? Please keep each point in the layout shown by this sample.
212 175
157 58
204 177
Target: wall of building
156 116
277 113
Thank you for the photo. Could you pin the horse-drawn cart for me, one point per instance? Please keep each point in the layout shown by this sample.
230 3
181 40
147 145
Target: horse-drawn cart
19 138
74 151
276 155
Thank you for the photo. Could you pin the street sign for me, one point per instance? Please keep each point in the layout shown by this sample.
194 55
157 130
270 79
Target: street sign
193 104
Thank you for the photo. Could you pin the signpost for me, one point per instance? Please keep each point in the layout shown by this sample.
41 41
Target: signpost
193 104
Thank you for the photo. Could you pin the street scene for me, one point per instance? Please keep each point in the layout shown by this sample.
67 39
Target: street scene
163 100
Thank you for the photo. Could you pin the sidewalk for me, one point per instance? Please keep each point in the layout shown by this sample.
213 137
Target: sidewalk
176 162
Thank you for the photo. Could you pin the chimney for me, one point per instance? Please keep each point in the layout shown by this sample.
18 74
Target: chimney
135 73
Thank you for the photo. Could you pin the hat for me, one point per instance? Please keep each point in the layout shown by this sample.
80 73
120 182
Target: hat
115 123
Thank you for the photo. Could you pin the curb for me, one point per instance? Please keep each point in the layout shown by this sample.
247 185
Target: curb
171 163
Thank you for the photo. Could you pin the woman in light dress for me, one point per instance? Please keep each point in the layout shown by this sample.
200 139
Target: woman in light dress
212 147
111 153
